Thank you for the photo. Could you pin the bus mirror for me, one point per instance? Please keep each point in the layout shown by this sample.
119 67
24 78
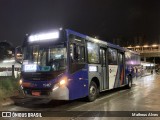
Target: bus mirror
18 54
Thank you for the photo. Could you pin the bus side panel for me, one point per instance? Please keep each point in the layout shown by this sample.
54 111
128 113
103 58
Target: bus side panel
119 77
117 80
98 74
113 71
78 84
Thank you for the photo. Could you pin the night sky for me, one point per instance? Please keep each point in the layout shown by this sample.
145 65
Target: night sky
107 19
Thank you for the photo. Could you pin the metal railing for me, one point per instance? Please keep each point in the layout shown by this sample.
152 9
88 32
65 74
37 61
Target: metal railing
145 48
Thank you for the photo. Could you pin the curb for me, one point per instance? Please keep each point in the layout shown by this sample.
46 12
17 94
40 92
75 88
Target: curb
7 102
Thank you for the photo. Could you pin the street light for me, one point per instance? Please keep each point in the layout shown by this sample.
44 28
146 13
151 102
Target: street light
145 46
154 45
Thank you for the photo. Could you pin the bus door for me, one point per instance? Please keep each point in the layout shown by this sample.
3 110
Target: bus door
121 68
112 67
104 79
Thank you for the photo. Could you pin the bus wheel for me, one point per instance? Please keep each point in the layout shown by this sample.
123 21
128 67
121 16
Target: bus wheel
93 92
129 82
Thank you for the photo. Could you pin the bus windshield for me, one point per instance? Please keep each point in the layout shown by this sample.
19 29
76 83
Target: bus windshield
52 57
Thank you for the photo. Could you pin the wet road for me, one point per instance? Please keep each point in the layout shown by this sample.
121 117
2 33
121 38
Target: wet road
144 96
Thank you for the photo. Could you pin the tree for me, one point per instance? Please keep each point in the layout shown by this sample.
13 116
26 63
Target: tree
6 50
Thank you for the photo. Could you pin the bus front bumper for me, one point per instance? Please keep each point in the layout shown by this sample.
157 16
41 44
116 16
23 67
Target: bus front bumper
61 93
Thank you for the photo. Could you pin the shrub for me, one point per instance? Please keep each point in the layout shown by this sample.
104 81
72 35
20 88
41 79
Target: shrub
8 86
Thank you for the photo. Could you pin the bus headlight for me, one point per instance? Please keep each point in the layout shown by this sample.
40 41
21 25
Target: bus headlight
61 83
56 86
20 82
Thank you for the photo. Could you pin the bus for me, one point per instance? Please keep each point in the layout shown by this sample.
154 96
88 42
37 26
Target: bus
62 64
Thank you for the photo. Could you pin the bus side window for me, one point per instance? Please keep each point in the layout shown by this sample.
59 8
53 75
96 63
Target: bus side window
71 53
112 56
93 53
120 58
77 53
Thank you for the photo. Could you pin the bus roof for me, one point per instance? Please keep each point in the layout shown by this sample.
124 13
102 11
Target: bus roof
96 40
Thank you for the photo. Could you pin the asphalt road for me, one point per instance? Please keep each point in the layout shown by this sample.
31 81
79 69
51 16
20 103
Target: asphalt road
144 96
